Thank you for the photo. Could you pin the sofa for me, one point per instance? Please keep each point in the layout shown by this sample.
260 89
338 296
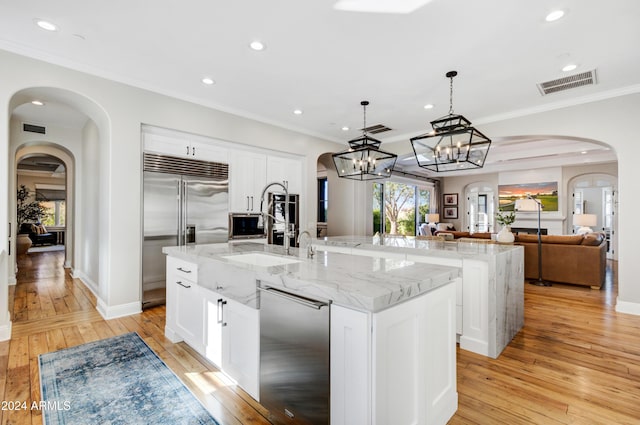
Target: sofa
572 259
38 234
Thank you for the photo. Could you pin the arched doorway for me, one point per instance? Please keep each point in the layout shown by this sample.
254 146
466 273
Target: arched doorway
48 172
595 194
72 128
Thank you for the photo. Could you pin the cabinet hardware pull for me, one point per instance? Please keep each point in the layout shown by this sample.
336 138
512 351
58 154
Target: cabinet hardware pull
252 203
247 203
187 149
220 318
179 282
193 151
184 270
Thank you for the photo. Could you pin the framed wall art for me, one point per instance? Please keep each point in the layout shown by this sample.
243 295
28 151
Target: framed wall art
450 199
451 212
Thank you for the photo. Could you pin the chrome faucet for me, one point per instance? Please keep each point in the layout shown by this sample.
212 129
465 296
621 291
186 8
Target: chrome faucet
310 250
287 231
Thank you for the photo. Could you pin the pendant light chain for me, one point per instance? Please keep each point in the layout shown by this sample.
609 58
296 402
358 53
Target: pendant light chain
364 123
451 95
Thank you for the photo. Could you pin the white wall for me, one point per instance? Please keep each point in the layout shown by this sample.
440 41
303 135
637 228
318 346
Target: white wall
87 212
119 111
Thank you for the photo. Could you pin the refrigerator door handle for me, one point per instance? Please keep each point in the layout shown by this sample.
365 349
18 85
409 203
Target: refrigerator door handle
185 201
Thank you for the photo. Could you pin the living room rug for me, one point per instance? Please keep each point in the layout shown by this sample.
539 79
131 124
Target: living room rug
117 380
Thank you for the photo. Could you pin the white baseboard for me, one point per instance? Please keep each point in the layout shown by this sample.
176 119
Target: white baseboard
93 286
11 280
627 307
5 330
113 312
107 312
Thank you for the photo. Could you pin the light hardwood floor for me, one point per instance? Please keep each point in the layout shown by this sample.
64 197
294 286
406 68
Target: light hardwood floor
576 361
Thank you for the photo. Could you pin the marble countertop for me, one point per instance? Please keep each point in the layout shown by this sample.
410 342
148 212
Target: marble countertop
413 246
361 282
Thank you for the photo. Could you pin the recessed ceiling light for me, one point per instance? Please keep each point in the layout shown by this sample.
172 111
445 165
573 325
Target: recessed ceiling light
569 67
37 102
554 16
297 112
208 81
46 25
257 45
583 152
345 128
428 106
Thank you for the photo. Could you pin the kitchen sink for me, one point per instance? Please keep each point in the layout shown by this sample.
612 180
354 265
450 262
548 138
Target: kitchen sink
261 260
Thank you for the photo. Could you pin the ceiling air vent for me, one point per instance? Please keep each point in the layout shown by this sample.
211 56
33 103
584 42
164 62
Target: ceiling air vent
32 128
583 79
378 128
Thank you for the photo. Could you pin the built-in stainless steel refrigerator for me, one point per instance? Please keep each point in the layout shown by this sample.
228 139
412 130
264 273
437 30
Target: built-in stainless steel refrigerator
185 201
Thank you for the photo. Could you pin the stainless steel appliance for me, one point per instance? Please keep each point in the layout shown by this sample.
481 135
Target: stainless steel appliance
294 357
275 228
245 226
185 201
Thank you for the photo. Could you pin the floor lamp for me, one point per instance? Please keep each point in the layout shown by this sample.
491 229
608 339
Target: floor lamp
532 204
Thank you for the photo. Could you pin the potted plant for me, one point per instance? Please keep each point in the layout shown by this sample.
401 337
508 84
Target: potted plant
26 211
505 219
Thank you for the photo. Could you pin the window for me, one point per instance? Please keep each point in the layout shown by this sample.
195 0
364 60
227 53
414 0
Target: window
323 199
54 213
403 207
53 199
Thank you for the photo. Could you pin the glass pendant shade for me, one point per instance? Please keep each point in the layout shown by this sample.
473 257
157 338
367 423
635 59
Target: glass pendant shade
453 144
364 160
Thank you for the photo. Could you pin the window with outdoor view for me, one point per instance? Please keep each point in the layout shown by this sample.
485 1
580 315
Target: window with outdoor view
399 208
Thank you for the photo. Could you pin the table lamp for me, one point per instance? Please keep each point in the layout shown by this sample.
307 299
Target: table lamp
584 221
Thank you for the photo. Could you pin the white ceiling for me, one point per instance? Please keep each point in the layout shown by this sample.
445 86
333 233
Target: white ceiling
325 61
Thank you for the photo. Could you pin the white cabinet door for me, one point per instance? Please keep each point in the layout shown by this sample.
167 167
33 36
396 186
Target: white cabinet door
181 145
241 345
190 313
410 388
209 152
184 310
248 176
166 144
213 326
233 339
350 366
289 170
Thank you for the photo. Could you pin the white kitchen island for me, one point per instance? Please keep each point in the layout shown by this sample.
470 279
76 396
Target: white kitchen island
490 297
393 355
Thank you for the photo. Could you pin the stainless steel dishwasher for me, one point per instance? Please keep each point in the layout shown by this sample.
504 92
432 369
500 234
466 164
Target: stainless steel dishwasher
294 357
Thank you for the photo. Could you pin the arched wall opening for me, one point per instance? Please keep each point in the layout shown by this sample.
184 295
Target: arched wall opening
82 142
46 148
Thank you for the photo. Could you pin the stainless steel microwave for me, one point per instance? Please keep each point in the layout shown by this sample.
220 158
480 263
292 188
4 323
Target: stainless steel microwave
245 226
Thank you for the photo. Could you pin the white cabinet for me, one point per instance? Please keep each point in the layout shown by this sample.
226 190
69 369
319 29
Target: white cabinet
248 176
289 170
233 339
185 304
185 146
396 366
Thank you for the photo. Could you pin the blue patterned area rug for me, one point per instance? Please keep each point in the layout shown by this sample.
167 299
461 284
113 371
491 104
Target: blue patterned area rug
118 380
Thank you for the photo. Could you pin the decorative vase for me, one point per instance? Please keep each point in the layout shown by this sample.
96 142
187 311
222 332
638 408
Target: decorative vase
505 235
23 243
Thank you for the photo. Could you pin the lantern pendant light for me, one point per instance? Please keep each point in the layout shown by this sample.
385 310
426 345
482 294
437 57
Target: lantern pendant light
453 144
364 160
